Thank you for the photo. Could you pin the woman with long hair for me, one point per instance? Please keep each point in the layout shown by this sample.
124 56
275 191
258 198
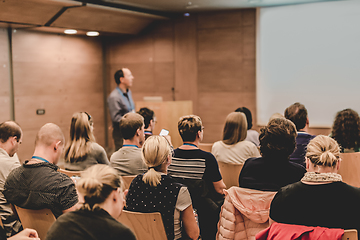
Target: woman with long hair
155 191
320 198
82 151
346 130
234 148
100 187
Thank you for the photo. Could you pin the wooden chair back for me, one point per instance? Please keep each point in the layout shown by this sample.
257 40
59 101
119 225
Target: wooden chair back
350 234
1 224
40 220
206 146
127 180
230 173
70 173
350 168
146 226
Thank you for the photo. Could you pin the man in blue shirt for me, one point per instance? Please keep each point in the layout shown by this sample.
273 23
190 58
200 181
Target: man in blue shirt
120 102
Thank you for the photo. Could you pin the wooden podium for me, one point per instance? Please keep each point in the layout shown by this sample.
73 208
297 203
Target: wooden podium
167 116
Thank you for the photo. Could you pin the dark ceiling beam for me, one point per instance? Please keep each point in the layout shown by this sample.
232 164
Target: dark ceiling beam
59 13
131 8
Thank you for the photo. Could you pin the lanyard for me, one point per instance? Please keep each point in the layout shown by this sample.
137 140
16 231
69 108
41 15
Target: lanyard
40 158
148 132
130 145
190 144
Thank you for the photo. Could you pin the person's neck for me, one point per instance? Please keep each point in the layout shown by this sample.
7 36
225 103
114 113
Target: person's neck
133 142
42 153
148 129
6 147
123 88
190 145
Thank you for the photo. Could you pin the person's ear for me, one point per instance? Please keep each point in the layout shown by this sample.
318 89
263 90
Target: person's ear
307 161
57 144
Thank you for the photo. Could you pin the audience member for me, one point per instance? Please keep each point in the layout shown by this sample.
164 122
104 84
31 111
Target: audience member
346 130
320 198
120 102
82 151
234 148
199 171
276 115
26 234
149 121
297 113
127 160
10 139
273 170
158 192
37 184
100 186
252 135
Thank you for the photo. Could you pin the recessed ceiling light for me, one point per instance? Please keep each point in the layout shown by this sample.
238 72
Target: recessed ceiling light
70 31
92 34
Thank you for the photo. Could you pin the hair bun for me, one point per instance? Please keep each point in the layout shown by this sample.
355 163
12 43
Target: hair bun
90 187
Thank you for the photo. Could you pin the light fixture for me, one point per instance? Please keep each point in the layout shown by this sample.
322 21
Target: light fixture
70 31
187 14
92 34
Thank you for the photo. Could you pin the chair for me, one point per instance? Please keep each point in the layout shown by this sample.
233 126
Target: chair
40 220
70 173
350 168
127 180
146 226
350 234
206 146
230 173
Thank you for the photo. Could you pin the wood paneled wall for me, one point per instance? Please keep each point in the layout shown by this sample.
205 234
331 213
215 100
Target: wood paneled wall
208 58
4 77
61 74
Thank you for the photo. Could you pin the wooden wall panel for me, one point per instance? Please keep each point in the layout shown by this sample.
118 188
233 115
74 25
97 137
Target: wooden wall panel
61 74
4 76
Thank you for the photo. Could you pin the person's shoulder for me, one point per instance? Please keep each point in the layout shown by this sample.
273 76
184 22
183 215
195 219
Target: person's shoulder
97 147
297 167
114 94
346 188
254 161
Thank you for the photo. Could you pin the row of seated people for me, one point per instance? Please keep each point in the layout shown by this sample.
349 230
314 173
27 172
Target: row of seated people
37 183
191 130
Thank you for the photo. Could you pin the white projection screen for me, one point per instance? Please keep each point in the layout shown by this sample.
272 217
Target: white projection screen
308 53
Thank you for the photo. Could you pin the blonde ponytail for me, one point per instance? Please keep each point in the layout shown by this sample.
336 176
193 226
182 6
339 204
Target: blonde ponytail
154 153
96 184
323 151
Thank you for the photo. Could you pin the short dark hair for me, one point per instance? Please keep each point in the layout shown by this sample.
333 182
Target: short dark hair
119 74
9 129
188 127
247 114
147 114
346 128
297 113
278 138
129 124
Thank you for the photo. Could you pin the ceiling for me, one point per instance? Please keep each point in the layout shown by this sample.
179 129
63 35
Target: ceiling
111 17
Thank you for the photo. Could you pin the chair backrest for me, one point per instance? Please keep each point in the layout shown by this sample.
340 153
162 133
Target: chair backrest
127 180
230 173
350 234
70 173
40 220
146 226
350 168
206 146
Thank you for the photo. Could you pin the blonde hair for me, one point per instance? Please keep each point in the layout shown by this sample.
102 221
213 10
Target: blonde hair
323 151
154 153
96 184
189 126
235 129
81 138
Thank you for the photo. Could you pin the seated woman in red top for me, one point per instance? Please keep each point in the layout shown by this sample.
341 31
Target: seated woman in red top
320 198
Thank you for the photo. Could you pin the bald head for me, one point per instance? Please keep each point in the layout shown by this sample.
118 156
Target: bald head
9 129
48 134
